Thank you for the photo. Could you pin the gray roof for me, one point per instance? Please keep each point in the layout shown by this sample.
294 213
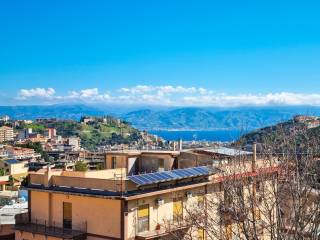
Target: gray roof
8 212
226 151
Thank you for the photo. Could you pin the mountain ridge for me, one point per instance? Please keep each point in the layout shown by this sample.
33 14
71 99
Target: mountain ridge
179 118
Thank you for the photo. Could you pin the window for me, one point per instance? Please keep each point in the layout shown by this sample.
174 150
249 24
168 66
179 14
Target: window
177 209
143 218
201 201
259 186
201 234
257 214
67 215
229 232
114 162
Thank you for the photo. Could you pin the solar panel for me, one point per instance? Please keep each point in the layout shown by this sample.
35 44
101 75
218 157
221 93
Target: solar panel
152 178
12 161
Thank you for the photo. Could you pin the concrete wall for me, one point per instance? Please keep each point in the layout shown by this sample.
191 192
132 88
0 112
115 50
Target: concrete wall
121 161
190 159
149 162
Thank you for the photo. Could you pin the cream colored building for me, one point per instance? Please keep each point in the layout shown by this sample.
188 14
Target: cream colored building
13 167
6 134
97 205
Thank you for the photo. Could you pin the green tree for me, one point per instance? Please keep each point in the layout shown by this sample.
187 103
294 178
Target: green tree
11 181
81 166
99 166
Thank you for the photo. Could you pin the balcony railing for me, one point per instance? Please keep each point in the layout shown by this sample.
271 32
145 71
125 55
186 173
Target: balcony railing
167 229
42 227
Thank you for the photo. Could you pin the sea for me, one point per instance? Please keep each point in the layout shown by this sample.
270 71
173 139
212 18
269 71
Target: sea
203 135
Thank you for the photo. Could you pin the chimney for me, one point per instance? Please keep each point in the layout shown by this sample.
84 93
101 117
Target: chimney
180 144
47 176
254 157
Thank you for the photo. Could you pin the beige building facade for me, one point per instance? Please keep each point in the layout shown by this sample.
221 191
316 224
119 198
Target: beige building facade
96 205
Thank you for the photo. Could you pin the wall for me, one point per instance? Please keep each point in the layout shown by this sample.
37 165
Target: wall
6 230
89 183
29 236
149 162
121 161
98 215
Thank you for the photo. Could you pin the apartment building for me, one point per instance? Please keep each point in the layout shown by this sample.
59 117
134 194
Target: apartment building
155 205
6 134
19 153
51 133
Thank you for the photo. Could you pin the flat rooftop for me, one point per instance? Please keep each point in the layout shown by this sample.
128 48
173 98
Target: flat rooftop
223 151
141 152
96 183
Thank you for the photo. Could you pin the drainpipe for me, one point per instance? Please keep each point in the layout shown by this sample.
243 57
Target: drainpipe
254 157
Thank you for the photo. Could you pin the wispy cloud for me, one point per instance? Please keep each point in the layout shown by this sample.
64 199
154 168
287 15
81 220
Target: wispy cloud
168 96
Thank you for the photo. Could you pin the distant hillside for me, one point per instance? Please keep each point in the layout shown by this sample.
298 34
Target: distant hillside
210 119
53 111
157 118
302 133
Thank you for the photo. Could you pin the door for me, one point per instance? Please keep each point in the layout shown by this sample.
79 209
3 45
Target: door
67 215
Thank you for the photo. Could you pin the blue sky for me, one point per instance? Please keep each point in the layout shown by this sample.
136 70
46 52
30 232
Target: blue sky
160 52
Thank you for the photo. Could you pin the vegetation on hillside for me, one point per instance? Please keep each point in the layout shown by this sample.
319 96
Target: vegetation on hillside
93 133
304 136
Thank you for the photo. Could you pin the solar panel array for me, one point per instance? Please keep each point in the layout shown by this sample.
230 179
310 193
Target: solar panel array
157 177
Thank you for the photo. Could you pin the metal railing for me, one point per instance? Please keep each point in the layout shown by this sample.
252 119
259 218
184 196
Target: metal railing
53 228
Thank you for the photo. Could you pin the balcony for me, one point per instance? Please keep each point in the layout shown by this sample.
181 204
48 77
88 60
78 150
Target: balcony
42 227
174 229
230 214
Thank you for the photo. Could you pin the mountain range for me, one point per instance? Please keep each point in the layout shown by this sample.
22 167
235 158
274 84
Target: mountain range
161 118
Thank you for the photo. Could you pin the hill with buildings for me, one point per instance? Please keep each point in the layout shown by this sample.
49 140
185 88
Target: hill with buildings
303 130
92 131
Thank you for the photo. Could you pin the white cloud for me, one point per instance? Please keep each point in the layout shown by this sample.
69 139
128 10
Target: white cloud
167 89
170 96
138 89
282 98
36 92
